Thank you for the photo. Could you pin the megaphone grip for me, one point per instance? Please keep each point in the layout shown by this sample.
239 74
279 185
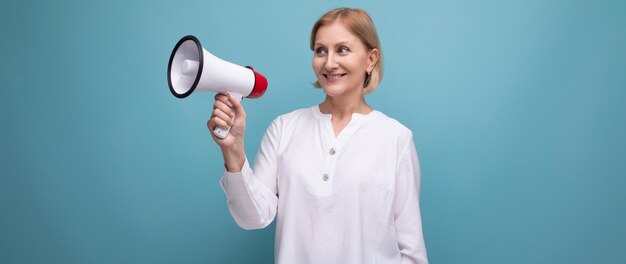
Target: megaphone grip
223 132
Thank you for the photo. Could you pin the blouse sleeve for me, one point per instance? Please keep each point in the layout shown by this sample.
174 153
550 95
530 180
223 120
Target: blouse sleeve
407 215
252 195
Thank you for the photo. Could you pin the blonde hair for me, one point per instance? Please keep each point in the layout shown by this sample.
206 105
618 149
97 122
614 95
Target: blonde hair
360 24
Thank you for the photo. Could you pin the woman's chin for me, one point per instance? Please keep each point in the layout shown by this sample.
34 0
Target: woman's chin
332 90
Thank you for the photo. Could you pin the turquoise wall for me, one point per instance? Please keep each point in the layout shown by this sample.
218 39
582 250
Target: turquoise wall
517 109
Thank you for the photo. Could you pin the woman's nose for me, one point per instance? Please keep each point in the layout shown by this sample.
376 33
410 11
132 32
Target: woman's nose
330 63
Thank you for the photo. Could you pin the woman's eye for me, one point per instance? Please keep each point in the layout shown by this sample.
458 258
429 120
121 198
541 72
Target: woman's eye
320 51
343 50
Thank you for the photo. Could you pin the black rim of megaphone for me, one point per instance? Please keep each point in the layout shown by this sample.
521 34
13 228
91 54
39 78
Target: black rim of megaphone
201 62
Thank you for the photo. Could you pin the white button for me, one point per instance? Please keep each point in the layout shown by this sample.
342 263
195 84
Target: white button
325 177
332 151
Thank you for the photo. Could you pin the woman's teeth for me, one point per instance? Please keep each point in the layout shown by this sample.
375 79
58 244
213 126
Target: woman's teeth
332 77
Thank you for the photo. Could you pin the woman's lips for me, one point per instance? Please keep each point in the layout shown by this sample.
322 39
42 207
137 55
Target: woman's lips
333 77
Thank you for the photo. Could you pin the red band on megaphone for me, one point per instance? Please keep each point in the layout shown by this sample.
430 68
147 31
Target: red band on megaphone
260 84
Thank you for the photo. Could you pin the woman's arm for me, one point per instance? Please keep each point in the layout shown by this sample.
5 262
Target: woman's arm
407 214
224 109
251 195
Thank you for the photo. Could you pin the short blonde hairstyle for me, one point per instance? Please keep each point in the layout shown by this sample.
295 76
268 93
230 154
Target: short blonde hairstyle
360 24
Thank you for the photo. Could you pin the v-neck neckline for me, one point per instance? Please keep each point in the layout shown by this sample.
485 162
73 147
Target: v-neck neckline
352 126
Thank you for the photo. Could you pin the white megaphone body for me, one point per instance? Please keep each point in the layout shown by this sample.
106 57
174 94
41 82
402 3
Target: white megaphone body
192 68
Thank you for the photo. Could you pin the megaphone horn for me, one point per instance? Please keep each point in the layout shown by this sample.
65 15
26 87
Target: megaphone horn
193 68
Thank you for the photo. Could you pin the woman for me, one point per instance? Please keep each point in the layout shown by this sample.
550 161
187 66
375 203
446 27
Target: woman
341 178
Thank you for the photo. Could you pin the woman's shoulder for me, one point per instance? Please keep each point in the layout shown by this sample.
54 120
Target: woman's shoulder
391 125
296 116
388 131
297 112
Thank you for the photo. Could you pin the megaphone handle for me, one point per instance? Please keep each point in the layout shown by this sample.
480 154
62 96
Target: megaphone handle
221 132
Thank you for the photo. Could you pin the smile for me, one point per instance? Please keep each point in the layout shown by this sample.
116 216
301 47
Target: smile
333 76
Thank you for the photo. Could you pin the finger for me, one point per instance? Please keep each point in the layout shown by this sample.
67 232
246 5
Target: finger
237 106
218 113
217 122
223 107
210 124
221 97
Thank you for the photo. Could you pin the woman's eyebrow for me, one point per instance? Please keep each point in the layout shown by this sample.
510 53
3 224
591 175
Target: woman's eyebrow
345 42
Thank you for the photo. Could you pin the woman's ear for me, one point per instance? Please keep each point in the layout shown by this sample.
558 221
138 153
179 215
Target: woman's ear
372 59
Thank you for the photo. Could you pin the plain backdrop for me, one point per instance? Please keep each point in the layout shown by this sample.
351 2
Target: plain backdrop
517 109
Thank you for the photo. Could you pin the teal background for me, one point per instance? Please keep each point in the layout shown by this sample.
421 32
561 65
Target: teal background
517 109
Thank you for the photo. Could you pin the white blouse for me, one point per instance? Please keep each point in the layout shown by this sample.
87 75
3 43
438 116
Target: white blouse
353 198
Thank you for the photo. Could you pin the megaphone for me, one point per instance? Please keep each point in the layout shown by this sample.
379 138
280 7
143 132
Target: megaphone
192 68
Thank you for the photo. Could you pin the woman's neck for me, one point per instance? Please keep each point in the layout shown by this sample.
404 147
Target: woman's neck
342 108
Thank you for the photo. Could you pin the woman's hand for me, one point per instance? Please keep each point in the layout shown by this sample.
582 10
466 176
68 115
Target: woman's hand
224 108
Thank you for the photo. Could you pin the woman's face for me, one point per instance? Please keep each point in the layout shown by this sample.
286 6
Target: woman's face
341 60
